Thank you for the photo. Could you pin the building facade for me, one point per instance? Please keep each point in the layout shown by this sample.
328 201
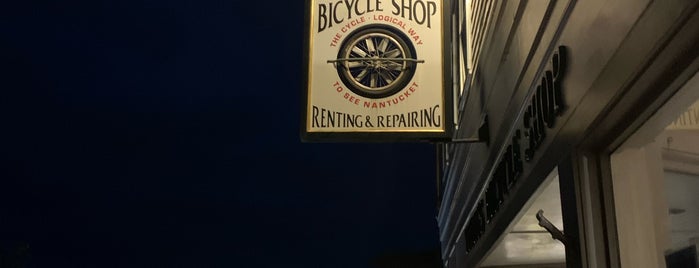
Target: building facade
586 116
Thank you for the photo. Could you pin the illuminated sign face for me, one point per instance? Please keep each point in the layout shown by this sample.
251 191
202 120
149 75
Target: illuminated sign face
376 66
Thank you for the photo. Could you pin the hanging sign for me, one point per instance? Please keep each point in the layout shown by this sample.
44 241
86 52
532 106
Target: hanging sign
375 71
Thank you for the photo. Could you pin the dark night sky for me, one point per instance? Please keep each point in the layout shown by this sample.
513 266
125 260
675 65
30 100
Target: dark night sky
165 133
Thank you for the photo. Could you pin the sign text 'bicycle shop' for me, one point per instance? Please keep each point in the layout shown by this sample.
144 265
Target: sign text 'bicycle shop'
421 12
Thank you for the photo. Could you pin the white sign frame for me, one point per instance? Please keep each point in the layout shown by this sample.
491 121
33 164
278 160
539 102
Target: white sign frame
377 70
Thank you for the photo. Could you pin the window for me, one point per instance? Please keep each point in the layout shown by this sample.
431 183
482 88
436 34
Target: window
655 182
525 243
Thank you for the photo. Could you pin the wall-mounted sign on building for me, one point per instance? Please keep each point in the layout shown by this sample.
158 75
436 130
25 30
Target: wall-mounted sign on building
375 70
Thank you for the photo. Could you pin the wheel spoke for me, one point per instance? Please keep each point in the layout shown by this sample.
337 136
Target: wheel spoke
394 66
373 80
359 51
383 45
370 45
354 64
387 77
395 74
361 75
392 54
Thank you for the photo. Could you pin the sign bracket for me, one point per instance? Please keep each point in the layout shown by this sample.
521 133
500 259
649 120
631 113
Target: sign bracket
483 135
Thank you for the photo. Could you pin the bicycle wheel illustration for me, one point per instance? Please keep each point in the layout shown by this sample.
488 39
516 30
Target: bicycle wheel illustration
376 62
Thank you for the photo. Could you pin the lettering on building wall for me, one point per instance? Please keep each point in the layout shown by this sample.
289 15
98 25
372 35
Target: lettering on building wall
545 106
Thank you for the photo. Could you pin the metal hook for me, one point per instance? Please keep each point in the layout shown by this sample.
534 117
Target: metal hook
555 232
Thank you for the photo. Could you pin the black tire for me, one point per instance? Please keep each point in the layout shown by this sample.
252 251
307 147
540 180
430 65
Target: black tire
377 77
